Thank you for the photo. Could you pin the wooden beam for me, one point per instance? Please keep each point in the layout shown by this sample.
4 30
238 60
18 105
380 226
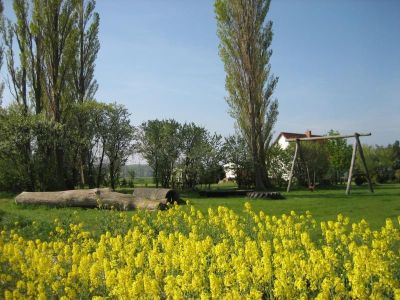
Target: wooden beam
305 166
327 137
353 159
360 150
292 168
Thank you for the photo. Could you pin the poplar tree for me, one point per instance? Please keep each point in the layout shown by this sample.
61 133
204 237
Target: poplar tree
1 50
17 74
20 78
22 40
58 20
245 40
50 50
84 86
88 45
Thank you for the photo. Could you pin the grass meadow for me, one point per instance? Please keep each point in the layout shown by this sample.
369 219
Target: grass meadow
323 204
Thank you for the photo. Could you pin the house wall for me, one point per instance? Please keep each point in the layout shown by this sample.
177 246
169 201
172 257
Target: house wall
229 171
283 143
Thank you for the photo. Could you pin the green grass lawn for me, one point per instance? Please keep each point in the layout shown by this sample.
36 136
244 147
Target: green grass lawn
323 204
144 182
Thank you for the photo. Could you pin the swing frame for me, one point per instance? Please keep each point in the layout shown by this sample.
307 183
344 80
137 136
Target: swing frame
356 146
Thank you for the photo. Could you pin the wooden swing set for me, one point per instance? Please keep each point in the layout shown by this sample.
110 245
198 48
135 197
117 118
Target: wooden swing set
356 145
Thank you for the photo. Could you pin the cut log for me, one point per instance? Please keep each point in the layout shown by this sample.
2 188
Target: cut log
102 198
167 195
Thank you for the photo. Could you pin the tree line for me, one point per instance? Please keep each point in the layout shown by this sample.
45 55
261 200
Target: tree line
383 163
54 135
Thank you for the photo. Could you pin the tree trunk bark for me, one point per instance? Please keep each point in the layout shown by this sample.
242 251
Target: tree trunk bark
81 170
100 168
259 175
101 198
30 165
90 170
60 168
262 159
112 175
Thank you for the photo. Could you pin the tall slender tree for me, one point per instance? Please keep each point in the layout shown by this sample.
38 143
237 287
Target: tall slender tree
1 50
35 57
19 75
245 40
25 35
58 20
84 84
50 52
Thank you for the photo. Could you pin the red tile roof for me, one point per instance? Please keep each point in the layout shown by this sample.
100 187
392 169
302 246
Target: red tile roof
291 135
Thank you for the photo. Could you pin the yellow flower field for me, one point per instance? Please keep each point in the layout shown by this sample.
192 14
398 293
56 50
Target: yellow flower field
183 253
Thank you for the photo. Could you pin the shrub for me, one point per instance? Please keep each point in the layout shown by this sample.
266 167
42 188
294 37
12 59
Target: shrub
397 175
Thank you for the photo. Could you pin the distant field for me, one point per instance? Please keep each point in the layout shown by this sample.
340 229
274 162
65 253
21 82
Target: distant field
144 182
323 205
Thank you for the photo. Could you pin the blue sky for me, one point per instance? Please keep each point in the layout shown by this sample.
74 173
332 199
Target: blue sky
338 64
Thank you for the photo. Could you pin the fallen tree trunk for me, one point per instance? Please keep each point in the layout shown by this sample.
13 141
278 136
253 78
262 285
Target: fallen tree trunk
167 195
101 198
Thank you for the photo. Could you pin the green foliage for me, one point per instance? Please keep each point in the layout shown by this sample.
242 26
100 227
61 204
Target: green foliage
212 170
28 152
237 155
193 147
339 156
24 165
131 179
159 143
88 45
1 48
51 48
397 175
327 160
316 159
381 162
245 40
396 154
138 170
181 155
15 133
118 139
280 162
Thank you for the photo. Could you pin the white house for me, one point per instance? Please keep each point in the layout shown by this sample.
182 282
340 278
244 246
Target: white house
284 144
229 169
284 136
